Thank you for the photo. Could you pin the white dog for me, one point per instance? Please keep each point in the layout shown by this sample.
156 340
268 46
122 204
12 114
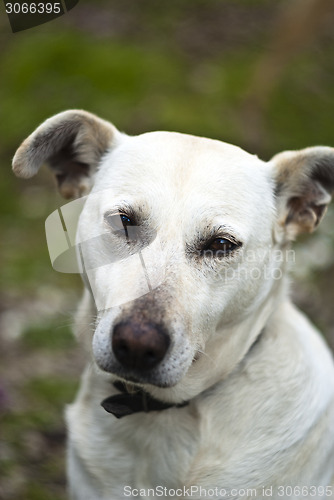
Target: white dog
220 386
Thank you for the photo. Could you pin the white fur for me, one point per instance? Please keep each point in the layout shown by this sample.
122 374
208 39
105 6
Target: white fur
269 419
260 415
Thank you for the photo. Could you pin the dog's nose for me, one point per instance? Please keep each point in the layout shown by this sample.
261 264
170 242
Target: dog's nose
139 346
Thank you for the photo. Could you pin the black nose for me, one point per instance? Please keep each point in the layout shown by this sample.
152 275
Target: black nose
139 346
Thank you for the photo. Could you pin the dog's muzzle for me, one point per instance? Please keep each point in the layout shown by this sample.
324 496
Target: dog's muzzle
139 346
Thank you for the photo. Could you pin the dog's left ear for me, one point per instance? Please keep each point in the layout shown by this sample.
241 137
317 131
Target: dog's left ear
72 143
304 182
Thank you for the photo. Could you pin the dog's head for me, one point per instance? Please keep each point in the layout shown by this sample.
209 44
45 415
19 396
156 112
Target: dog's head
210 220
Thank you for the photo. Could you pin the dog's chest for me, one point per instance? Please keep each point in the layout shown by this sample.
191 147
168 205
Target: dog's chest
139 451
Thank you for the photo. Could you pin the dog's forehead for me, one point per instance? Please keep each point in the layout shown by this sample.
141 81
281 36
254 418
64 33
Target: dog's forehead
172 156
169 168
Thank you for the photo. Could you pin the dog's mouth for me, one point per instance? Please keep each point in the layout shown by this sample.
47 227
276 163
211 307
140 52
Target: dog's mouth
168 373
156 377
196 357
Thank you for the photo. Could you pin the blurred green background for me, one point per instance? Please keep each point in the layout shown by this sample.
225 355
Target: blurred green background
256 73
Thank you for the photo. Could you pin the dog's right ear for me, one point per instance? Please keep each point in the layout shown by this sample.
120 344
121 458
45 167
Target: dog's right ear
72 143
304 182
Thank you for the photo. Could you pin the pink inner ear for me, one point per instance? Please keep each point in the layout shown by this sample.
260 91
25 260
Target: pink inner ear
307 209
305 216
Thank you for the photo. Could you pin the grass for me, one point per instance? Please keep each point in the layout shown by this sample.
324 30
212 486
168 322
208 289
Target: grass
51 336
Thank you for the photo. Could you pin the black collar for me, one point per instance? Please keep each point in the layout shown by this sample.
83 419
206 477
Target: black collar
127 402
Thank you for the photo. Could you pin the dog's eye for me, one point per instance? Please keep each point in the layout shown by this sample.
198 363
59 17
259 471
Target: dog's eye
220 246
126 221
120 222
